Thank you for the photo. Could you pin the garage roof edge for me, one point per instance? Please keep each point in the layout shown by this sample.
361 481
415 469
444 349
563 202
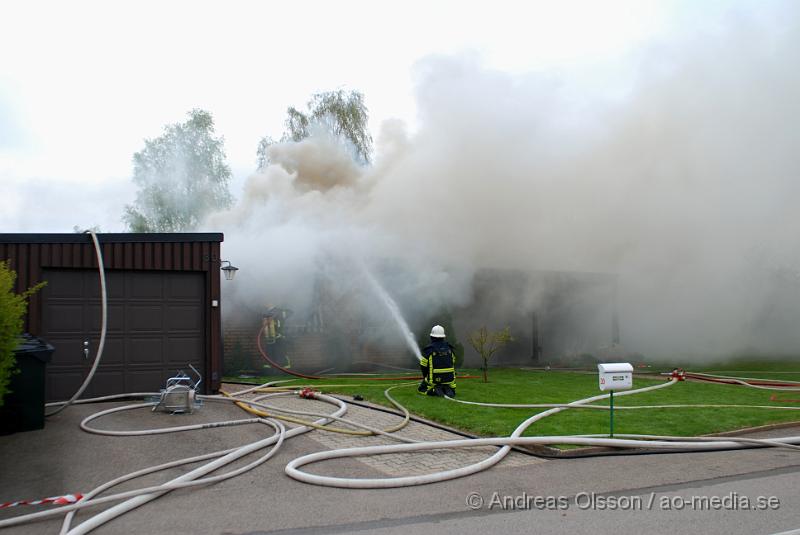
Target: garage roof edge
126 237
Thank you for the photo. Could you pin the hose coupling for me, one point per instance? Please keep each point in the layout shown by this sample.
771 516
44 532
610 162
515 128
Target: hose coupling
307 393
679 374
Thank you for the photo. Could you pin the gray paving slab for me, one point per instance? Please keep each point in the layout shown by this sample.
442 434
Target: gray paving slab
395 464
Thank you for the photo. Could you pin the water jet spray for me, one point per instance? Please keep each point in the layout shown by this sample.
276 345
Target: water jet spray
394 310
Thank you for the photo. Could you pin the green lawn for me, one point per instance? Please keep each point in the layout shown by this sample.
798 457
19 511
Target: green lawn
528 386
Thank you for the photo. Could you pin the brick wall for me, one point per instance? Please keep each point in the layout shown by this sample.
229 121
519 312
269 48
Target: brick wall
240 352
308 352
389 354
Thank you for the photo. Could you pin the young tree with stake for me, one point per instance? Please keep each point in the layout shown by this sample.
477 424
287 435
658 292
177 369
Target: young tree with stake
486 343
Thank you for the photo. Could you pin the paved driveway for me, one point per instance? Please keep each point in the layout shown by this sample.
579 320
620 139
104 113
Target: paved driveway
627 494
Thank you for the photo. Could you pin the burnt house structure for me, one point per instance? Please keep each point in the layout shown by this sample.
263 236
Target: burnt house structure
555 317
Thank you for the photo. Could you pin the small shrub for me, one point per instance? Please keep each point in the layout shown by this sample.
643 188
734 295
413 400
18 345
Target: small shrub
12 314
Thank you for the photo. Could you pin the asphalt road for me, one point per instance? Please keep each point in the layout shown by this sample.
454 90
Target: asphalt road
758 502
677 493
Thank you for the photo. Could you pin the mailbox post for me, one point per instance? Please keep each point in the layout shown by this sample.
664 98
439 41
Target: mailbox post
614 376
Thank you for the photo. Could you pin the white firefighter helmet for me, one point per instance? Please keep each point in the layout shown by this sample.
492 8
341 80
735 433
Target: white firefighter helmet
437 331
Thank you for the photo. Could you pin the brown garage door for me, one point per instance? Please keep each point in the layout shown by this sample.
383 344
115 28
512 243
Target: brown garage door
155 327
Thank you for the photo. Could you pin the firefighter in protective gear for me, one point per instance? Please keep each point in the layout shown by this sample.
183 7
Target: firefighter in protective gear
438 366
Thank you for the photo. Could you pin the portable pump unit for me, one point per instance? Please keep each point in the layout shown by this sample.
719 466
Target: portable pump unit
179 396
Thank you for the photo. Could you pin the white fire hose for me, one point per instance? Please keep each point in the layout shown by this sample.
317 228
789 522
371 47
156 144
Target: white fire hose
631 441
139 497
61 405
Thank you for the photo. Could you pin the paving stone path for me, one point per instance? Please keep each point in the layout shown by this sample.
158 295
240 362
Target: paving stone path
392 464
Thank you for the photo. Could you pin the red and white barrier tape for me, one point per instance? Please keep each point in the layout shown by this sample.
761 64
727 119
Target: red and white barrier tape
55 500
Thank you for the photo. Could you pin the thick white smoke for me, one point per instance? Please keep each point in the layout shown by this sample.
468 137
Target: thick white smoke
686 188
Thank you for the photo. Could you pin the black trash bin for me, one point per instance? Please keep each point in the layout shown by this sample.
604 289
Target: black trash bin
23 408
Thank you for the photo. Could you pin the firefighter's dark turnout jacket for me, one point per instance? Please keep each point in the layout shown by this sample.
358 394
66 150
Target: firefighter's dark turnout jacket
438 366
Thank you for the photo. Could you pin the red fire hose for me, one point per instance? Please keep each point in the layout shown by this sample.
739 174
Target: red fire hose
734 381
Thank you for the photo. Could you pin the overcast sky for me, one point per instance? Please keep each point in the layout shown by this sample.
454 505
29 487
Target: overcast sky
82 84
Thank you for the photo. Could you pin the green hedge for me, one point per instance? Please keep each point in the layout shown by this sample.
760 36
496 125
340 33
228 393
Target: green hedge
12 314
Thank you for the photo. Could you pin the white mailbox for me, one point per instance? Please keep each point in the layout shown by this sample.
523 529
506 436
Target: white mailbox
615 376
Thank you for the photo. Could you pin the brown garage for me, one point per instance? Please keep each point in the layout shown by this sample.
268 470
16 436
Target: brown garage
163 307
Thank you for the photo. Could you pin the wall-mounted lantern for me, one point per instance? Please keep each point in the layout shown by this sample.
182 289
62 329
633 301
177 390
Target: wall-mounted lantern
229 270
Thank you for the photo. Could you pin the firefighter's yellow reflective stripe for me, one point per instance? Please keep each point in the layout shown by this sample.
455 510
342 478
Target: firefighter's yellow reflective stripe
444 370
